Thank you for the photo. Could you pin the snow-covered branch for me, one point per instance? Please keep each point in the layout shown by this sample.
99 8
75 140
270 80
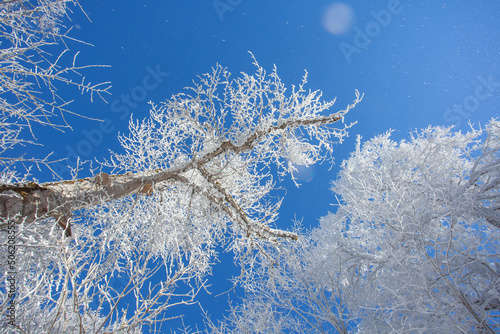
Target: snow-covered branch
30 74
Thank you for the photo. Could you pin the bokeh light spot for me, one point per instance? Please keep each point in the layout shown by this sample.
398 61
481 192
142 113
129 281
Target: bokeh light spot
304 174
338 18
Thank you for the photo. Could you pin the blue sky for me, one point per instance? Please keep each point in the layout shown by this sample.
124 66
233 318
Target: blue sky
418 63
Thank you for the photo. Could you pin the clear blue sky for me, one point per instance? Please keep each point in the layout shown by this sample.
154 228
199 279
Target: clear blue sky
418 63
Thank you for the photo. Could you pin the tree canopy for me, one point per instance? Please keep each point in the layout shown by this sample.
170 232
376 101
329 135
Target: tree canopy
412 248
199 172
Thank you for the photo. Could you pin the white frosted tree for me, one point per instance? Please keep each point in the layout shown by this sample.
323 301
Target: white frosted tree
296 293
423 217
412 248
200 172
34 62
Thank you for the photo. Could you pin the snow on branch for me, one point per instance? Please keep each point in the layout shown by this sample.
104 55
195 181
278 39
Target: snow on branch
30 75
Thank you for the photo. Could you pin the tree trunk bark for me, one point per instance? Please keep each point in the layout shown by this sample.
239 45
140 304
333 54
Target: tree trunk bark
28 202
